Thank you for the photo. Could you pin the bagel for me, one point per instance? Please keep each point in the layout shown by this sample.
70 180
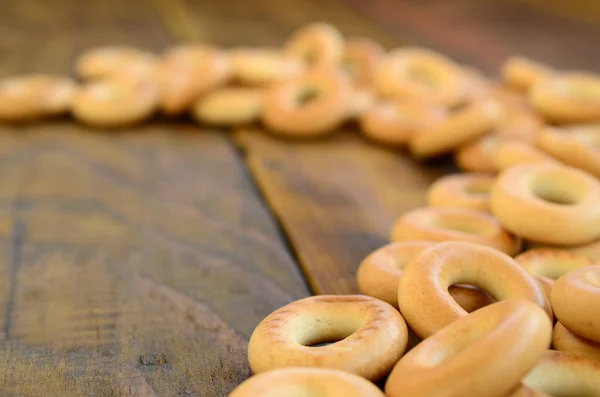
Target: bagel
485 353
115 102
454 224
379 274
478 155
521 73
360 59
549 264
116 61
371 336
461 190
575 298
566 341
309 105
393 123
423 296
318 44
565 374
510 153
229 106
572 97
188 72
309 382
27 97
576 146
464 125
418 73
262 66
562 200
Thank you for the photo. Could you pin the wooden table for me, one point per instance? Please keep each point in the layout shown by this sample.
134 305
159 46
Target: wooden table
138 262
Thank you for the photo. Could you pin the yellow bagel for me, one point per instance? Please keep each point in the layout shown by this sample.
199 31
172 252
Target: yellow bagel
461 190
229 106
521 73
566 341
478 155
510 153
262 66
423 291
393 123
318 44
418 73
485 353
27 97
458 224
463 126
189 71
549 264
576 301
548 203
306 382
371 335
311 104
589 250
115 103
379 274
565 374
577 146
360 59
116 61
568 97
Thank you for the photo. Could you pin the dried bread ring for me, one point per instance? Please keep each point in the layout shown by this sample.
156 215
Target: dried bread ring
566 341
319 44
229 106
461 190
27 97
393 123
547 264
369 335
577 146
565 374
302 381
510 153
576 300
116 61
360 59
567 97
562 200
423 291
454 224
521 73
115 102
379 274
311 104
496 345
262 66
419 73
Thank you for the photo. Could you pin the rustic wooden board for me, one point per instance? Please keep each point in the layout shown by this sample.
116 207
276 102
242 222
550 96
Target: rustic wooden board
484 33
336 198
135 262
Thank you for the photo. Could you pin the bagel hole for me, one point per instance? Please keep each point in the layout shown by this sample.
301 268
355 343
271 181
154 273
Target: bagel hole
558 188
307 95
470 297
323 332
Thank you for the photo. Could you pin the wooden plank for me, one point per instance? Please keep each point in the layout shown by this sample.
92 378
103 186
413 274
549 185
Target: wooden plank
135 263
485 32
337 199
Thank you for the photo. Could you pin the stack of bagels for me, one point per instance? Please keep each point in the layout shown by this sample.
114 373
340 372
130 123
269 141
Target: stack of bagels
496 281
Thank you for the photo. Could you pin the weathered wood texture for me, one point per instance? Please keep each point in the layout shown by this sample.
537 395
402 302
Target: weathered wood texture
484 33
134 263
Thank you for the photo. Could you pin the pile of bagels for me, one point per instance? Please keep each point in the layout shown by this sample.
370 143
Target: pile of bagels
492 289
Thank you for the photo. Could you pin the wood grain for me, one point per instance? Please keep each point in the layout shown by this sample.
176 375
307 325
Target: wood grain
336 198
136 262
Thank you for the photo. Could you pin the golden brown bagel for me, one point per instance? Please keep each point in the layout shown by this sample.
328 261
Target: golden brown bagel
423 296
318 44
461 190
566 341
229 106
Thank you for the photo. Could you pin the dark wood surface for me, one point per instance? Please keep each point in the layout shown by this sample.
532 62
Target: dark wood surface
138 262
